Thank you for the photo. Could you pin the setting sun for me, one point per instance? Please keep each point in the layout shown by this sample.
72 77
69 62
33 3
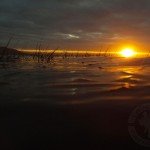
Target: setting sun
127 52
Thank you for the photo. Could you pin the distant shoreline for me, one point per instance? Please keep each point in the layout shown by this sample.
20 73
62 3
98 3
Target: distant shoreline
59 52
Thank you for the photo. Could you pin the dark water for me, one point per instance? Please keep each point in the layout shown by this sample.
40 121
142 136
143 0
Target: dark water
76 80
76 103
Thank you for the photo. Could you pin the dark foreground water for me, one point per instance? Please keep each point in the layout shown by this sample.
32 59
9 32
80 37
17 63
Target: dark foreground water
76 103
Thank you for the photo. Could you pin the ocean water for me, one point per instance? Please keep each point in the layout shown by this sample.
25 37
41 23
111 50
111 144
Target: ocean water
75 80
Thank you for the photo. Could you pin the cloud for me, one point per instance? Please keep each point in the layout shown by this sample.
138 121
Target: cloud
79 22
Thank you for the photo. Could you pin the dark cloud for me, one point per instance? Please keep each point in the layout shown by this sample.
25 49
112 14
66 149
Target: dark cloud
76 23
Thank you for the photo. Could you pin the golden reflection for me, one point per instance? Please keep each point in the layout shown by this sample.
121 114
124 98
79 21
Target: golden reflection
128 85
127 76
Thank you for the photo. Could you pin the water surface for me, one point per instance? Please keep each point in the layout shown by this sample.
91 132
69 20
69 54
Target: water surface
75 80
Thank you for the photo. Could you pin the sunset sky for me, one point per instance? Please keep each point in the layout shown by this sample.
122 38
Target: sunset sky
75 24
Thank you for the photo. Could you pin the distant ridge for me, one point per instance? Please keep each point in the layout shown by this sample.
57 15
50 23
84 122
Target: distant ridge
8 54
8 51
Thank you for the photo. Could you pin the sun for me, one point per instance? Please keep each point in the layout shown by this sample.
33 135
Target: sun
127 52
